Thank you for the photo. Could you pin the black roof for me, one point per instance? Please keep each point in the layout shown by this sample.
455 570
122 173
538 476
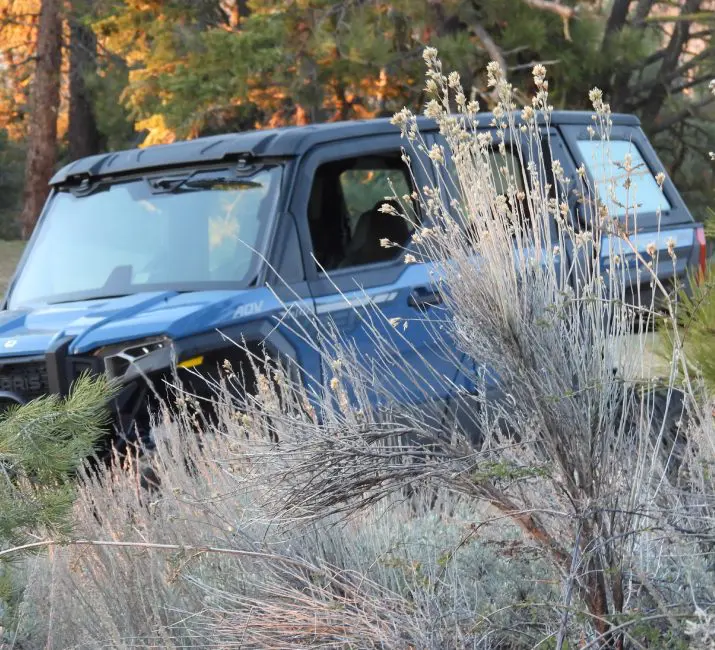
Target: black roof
282 142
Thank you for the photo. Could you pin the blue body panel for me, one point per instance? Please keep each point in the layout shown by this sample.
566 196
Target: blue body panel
97 323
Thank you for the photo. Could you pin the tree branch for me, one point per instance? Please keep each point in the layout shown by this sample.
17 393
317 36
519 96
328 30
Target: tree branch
159 547
641 13
699 16
689 111
617 18
553 6
665 79
705 33
490 46
696 81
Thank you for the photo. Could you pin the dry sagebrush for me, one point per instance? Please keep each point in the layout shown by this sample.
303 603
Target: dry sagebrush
202 564
347 518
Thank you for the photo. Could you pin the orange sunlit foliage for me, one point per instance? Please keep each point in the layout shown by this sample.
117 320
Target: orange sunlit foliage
18 25
18 34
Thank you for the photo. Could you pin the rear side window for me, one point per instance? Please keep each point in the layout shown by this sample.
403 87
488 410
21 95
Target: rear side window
605 163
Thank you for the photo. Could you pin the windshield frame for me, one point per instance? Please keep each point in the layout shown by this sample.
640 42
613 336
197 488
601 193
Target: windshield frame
258 259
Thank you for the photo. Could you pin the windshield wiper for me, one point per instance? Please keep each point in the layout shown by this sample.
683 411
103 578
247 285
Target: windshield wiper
176 186
189 181
90 297
218 184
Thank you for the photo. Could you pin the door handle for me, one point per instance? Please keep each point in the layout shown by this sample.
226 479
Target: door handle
424 298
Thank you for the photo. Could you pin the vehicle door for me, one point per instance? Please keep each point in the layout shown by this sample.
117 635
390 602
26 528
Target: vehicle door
380 301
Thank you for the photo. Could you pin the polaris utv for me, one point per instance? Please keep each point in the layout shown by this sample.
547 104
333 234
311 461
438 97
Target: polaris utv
151 261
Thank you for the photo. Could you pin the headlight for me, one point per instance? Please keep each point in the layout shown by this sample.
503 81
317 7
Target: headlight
125 360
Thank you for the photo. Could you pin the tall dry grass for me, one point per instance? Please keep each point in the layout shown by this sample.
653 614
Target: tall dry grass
577 511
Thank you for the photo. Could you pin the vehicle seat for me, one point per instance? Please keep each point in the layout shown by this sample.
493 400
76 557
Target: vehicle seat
373 226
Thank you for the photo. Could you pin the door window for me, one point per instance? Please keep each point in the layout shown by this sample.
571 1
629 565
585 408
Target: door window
348 224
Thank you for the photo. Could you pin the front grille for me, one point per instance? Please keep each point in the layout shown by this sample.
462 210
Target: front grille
28 379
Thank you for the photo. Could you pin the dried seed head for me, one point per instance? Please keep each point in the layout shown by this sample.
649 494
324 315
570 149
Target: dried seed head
539 73
402 118
494 73
433 110
596 97
436 154
558 170
386 208
430 56
431 87
628 162
671 246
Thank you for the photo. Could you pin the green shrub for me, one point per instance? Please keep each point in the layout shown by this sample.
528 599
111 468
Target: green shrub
42 446
696 322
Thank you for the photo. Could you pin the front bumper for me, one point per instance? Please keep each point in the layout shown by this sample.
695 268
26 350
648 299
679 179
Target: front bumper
23 379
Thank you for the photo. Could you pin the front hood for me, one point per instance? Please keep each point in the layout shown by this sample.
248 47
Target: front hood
94 323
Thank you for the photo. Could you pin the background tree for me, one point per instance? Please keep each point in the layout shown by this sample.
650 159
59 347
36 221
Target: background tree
84 138
45 101
317 60
141 73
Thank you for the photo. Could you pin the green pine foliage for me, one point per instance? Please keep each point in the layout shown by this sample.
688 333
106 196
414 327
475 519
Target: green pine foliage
697 330
696 317
319 59
42 446
188 72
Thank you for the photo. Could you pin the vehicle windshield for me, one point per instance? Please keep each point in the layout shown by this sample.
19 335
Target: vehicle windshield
186 232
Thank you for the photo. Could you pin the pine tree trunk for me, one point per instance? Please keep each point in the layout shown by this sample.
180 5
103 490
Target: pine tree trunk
84 136
45 100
